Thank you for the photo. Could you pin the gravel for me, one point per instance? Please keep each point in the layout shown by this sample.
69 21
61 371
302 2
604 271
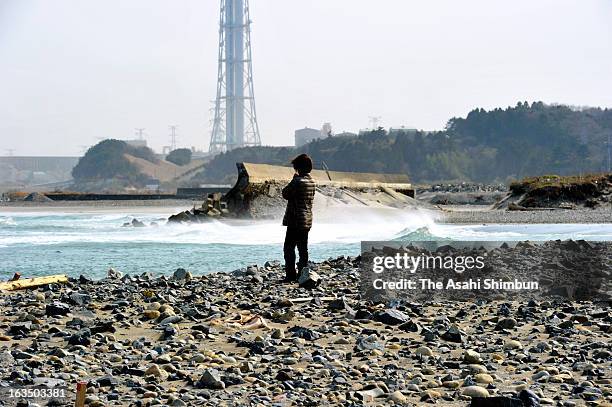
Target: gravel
474 215
245 338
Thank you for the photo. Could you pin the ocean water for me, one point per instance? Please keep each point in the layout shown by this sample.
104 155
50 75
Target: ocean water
89 243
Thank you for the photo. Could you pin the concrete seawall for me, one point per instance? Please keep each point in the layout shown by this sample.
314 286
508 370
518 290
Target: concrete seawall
257 189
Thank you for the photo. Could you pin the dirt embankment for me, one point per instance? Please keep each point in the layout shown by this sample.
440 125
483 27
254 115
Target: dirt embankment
553 191
464 193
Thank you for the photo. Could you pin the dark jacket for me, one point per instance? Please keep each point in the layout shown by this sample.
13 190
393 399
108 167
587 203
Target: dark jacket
299 193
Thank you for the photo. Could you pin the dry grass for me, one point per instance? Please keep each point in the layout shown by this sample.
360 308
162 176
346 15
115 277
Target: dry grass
530 184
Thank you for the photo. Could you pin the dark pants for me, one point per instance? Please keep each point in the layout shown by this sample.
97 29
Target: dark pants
295 237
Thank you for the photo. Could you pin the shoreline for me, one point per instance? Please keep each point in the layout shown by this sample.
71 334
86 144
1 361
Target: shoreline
568 216
452 214
97 206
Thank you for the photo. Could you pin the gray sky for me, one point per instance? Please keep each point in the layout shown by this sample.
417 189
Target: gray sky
75 71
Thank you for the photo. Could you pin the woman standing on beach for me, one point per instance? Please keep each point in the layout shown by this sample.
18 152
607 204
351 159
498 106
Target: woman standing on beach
299 194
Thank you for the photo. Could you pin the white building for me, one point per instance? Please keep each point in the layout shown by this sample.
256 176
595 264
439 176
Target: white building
136 142
306 135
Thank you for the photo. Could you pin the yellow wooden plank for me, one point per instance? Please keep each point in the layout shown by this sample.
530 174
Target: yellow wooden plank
33 282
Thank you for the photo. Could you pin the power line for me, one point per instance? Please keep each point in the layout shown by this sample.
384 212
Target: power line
140 132
609 143
172 137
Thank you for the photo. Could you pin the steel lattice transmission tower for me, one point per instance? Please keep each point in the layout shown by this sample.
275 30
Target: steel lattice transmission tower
235 122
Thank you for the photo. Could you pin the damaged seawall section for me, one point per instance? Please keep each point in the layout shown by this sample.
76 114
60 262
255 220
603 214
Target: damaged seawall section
257 192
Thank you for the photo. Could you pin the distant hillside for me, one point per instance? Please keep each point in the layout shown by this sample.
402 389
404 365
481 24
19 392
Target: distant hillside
113 165
486 146
533 139
163 171
222 168
107 160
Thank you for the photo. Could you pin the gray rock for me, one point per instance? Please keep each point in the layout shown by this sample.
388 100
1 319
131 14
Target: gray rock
6 359
272 264
368 343
114 274
107 381
392 317
173 319
79 299
529 398
470 356
20 328
453 335
305 333
137 224
505 323
211 379
48 382
181 274
308 278
368 396
81 338
22 355
57 308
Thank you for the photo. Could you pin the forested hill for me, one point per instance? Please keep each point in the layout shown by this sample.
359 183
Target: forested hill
485 146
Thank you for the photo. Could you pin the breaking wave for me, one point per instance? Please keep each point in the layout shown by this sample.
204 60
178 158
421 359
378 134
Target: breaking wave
346 226
420 234
7 221
90 243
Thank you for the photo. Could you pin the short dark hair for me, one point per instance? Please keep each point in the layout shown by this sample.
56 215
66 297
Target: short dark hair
302 163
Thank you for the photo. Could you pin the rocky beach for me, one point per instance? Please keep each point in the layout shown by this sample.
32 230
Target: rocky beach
244 338
416 211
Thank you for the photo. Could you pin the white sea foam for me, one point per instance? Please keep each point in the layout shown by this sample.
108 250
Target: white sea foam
7 221
336 225
347 224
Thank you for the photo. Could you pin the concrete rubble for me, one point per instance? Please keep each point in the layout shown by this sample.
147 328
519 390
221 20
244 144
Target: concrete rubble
257 193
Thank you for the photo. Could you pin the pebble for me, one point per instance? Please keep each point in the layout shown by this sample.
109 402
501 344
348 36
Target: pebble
155 371
278 333
483 378
321 345
424 351
397 397
211 379
475 391
512 344
506 323
470 356
151 314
